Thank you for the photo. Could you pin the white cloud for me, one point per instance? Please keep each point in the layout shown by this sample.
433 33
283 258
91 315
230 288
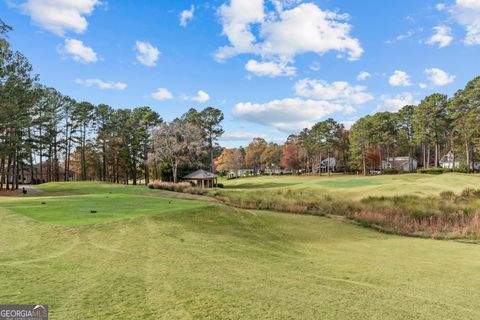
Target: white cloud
439 77
270 68
60 16
399 79
410 33
147 54
201 97
288 115
284 33
348 123
186 16
161 94
240 136
78 51
441 6
443 36
395 103
103 85
363 76
467 14
423 85
340 92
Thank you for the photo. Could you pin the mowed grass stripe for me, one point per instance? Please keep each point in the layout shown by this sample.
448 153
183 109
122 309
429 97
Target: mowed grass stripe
95 208
217 263
358 187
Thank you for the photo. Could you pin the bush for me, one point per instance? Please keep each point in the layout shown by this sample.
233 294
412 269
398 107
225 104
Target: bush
170 186
470 193
447 195
219 185
433 170
391 171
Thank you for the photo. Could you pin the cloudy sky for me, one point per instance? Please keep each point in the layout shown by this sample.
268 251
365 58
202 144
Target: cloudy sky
272 66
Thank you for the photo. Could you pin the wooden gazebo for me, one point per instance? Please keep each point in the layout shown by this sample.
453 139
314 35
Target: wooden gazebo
203 179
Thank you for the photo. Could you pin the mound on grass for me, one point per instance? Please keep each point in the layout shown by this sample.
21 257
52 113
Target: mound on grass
358 187
217 262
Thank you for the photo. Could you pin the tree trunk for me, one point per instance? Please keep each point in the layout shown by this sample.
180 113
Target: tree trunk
14 170
174 171
2 172
104 160
320 165
364 158
9 167
428 156
467 153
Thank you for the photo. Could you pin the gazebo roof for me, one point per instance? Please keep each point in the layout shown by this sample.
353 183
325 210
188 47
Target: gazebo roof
200 175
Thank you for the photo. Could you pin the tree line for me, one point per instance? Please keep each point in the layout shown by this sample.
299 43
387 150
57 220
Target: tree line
437 126
47 136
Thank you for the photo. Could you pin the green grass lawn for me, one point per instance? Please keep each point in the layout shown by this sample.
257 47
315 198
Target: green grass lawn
194 259
357 187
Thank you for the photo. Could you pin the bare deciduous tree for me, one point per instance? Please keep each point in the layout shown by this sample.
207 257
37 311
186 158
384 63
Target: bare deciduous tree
177 143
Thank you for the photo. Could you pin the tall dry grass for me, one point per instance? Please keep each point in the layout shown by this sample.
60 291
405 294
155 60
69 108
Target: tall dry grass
448 215
445 216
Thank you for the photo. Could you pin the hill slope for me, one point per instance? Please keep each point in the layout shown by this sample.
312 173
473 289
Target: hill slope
217 262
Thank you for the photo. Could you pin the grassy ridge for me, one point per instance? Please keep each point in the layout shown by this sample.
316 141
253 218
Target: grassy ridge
359 187
220 262
94 208
420 205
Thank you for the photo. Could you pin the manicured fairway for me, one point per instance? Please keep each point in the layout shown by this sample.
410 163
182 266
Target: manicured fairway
357 187
94 208
209 261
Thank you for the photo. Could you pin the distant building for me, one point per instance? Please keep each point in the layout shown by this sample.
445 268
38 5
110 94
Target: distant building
203 179
327 165
404 163
240 173
449 161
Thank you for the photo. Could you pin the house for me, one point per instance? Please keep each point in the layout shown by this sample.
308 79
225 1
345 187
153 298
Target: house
273 171
203 179
449 161
240 173
404 163
327 165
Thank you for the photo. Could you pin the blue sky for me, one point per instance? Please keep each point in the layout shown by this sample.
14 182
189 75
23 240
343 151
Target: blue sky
272 66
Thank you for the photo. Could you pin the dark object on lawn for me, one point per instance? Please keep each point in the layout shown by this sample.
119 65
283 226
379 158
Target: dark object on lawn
44 203
24 191
93 211
169 202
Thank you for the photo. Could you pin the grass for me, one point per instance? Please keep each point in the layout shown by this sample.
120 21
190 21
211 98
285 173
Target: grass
441 207
215 262
94 208
359 187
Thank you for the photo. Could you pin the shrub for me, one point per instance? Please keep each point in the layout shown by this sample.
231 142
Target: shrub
447 195
219 185
433 170
170 186
470 193
390 171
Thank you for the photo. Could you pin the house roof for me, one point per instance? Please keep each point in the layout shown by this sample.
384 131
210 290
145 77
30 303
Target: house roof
200 175
401 158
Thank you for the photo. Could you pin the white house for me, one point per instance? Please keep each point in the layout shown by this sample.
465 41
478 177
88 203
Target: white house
404 163
327 165
240 173
449 161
